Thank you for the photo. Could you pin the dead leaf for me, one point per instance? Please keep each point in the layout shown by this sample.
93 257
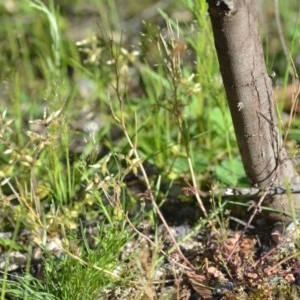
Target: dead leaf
200 284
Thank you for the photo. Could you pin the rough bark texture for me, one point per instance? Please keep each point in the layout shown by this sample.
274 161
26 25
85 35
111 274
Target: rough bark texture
249 94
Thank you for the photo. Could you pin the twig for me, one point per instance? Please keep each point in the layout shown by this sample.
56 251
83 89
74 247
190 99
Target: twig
148 186
256 209
153 244
273 250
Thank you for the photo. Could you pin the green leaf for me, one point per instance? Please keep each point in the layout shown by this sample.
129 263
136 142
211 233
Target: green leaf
231 172
12 245
294 134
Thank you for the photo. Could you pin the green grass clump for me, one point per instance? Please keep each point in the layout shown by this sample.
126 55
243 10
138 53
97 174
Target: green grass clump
94 126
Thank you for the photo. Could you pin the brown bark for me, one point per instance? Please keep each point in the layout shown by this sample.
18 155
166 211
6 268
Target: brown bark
249 94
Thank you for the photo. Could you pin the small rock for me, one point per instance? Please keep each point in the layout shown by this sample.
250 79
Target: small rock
16 260
222 288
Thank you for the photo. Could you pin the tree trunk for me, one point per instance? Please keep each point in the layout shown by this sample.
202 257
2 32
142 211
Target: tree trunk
249 94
